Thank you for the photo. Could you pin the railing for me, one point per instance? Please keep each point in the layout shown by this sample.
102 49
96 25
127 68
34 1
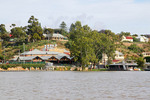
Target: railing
26 62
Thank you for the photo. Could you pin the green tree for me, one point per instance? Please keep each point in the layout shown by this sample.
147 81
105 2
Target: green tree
135 35
72 28
63 29
2 30
35 30
18 33
140 62
108 44
13 25
36 37
1 57
125 33
80 45
63 26
87 46
77 32
135 39
5 38
135 48
4 34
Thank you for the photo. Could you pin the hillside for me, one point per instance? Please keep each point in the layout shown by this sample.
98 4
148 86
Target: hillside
145 46
124 48
10 51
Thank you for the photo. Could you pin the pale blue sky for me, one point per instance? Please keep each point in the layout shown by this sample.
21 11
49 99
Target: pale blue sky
117 15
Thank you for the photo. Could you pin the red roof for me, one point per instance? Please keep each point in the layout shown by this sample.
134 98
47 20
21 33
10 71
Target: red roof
10 35
116 60
67 53
128 37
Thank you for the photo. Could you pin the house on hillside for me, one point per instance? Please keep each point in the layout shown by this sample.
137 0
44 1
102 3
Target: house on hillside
146 54
143 39
56 36
118 57
127 38
60 37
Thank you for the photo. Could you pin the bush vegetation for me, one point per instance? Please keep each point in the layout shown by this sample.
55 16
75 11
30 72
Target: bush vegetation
135 48
6 66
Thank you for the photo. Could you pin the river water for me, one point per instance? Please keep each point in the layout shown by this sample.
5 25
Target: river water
57 85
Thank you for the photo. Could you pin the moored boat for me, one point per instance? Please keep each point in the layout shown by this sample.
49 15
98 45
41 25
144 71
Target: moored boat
137 69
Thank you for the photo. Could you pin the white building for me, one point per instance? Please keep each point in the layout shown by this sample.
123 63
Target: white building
56 36
118 57
146 54
143 39
127 38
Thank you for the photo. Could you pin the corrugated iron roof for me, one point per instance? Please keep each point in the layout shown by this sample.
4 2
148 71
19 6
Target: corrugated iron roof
36 51
58 35
128 37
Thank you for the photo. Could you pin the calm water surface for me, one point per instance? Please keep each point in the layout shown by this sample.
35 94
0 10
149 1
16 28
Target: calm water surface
75 85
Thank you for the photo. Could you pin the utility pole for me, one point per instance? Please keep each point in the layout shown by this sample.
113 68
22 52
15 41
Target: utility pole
4 54
24 51
19 53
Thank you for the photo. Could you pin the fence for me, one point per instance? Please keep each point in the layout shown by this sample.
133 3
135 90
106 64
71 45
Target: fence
26 62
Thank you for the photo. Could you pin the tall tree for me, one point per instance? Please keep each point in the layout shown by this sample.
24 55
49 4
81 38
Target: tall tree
63 26
2 30
140 62
35 30
4 34
18 33
80 44
124 34
72 28
77 31
104 43
88 46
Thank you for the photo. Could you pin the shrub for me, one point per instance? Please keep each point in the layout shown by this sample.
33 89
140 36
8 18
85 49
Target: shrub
68 67
140 62
135 48
135 39
4 66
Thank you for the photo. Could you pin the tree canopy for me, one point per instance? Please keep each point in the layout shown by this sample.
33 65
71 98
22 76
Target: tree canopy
34 29
63 26
2 30
87 46
19 34
140 62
